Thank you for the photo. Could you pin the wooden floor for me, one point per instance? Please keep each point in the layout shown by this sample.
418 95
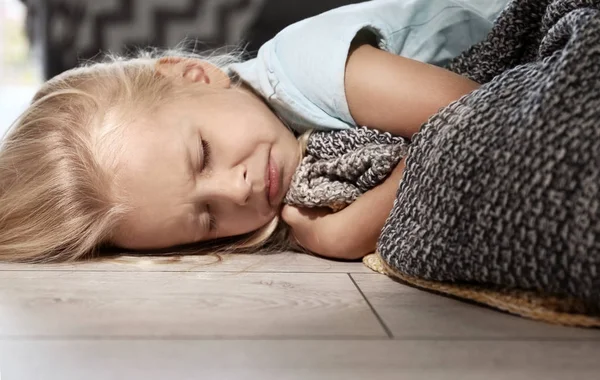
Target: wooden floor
284 316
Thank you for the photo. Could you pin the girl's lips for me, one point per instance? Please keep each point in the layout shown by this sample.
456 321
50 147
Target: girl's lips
272 181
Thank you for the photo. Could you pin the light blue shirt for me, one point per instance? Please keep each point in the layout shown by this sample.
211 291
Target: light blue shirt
300 72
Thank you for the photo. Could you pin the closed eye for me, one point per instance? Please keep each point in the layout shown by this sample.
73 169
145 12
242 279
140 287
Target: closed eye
207 223
205 156
212 221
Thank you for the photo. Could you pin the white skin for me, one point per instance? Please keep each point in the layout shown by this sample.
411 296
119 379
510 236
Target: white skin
241 130
173 192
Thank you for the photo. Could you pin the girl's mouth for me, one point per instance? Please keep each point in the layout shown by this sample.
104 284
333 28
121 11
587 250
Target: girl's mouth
272 181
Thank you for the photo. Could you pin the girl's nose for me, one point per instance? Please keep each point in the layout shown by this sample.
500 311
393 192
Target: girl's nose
233 185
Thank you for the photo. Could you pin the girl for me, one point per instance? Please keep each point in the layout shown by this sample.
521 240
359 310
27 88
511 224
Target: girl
170 149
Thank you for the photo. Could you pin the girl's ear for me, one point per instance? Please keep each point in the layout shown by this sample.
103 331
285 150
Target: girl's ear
192 70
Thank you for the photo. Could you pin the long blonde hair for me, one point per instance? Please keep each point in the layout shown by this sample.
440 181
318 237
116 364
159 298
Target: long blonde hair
56 162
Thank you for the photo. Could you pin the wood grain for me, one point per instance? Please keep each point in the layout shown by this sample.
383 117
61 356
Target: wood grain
182 304
315 360
411 313
286 316
285 262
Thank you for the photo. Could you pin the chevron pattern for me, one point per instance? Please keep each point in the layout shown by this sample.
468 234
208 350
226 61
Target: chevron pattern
70 31
80 29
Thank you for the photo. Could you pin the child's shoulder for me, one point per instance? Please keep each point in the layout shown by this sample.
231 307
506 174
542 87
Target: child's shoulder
300 72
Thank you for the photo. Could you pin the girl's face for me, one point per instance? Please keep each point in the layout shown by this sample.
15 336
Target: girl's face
206 166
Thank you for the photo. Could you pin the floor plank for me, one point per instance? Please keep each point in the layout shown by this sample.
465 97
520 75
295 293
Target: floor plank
286 262
411 313
183 304
287 360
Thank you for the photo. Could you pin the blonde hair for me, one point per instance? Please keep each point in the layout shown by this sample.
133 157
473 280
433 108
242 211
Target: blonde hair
56 162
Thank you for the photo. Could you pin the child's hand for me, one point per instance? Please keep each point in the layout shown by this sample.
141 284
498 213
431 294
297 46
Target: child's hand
350 233
316 229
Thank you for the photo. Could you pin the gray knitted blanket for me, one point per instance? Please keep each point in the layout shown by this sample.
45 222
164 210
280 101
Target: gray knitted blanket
340 166
502 188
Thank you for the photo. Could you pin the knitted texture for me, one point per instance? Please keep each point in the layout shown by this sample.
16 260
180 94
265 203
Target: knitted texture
502 186
340 166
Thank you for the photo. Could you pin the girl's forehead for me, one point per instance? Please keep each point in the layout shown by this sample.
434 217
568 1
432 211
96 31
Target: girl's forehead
151 153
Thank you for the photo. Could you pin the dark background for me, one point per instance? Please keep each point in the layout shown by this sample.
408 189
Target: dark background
66 32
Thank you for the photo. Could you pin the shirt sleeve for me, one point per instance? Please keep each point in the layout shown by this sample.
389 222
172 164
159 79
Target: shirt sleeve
300 72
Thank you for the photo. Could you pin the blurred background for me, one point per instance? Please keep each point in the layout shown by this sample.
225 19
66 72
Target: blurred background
42 38
20 71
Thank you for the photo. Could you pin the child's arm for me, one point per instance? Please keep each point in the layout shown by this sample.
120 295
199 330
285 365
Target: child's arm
350 233
397 94
389 93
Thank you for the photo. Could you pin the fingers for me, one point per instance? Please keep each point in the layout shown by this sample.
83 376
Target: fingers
308 226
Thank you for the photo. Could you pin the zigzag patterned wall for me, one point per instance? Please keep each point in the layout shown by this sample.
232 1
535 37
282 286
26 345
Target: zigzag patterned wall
69 31
79 29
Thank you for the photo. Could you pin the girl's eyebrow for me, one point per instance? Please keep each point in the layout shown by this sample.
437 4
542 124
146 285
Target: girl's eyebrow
189 162
190 166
